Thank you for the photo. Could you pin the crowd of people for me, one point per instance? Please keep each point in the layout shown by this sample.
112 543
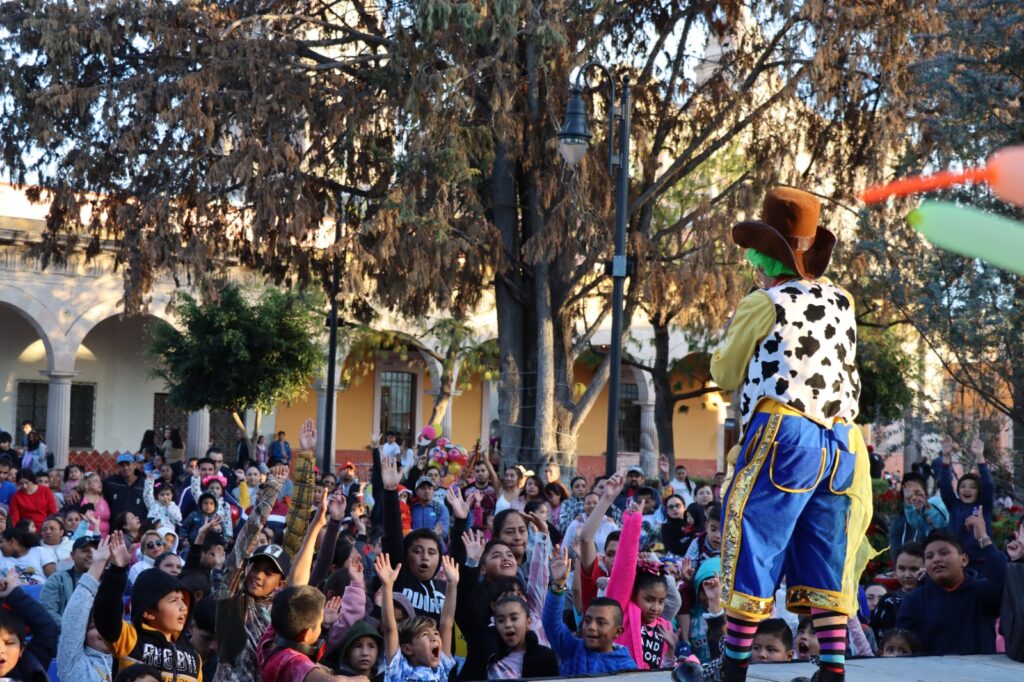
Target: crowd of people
181 567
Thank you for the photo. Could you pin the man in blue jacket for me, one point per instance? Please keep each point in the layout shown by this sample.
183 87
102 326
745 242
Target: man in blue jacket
955 611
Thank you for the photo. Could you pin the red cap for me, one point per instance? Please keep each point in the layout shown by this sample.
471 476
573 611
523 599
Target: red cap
346 465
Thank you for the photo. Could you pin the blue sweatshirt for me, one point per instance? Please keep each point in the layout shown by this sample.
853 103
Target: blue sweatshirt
573 655
961 620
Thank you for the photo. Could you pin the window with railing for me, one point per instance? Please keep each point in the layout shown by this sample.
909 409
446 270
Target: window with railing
398 403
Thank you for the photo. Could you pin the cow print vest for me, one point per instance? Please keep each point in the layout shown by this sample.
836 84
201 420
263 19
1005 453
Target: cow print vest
808 360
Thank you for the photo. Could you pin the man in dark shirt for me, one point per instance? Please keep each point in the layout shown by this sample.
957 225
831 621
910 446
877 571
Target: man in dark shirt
123 490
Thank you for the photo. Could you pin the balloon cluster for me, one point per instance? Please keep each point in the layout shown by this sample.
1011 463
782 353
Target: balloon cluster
449 458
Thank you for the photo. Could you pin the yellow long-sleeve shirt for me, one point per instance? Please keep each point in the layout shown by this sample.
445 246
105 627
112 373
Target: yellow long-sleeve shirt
753 320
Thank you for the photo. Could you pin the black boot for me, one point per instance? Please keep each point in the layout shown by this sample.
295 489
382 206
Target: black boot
825 675
733 671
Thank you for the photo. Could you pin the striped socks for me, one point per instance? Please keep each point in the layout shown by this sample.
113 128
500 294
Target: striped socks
830 628
739 638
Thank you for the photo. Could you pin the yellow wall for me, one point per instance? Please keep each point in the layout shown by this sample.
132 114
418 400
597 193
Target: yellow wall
466 417
290 417
695 433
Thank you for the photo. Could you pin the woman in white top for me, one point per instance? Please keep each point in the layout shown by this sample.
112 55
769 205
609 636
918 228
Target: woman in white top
21 551
54 540
511 485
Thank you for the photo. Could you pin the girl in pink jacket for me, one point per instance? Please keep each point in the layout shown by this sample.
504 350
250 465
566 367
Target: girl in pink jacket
641 589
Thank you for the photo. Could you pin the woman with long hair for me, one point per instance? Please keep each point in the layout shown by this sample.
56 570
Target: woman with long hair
556 495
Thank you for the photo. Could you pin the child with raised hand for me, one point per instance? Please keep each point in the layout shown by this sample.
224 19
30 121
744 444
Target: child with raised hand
594 652
18 611
160 504
419 650
520 655
641 588
975 494
160 609
82 655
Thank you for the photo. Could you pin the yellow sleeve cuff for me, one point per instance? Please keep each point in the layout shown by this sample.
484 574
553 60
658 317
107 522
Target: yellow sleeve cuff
754 318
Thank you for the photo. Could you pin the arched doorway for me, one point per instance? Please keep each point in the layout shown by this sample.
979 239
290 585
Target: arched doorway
23 363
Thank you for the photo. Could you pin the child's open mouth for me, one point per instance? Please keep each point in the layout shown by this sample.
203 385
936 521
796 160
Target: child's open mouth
802 648
435 653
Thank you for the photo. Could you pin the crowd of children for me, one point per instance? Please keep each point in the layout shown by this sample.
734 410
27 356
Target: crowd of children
436 568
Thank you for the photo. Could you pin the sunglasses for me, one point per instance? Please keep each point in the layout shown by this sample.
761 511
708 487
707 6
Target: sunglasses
153 544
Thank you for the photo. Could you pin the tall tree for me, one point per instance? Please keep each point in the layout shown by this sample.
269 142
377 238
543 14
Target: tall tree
202 131
969 314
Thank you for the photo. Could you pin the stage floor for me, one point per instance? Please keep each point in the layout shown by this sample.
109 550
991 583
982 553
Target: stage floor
994 668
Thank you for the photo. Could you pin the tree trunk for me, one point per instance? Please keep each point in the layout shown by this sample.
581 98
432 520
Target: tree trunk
664 405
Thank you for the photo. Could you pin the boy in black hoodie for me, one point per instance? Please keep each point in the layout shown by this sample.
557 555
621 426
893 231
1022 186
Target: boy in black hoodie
955 611
29 662
160 610
421 550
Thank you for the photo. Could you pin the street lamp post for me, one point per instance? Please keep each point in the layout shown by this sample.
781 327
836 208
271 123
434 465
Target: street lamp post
574 138
327 428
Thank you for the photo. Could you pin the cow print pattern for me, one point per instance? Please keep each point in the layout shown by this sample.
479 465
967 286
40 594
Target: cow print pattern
807 361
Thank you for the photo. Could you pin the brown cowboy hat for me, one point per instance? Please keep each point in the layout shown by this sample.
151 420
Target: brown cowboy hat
789 232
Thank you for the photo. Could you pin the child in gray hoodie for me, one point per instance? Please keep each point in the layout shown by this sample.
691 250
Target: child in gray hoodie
82 655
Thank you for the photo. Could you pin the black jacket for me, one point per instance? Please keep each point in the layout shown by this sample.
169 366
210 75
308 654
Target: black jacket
37 655
426 597
122 497
134 642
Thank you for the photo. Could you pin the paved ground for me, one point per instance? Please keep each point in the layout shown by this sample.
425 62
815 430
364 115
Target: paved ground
996 668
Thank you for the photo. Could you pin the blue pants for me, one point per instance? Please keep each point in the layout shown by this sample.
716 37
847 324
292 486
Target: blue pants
785 514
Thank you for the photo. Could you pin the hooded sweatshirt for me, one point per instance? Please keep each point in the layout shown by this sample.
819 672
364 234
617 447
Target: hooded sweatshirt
360 629
37 654
135 642
75 660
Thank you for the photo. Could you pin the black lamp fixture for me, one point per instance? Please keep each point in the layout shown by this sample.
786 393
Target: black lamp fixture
573 141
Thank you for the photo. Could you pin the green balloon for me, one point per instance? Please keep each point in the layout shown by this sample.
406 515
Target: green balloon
973 233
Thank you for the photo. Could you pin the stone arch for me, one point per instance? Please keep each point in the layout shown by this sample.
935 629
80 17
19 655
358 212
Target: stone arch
38 316
104 310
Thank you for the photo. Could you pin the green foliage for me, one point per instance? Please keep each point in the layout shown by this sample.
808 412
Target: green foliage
236 352
885 375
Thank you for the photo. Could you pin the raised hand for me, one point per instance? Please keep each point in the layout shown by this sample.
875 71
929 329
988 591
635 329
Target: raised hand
319 517
280 471
475 542
686 570
118 550
451 569
561 564
94 521
1015 548
332 610
978 450
663 464
613 486
375 439
9 582
976 524
390 473
72 497
356 571
713 591
307 436
336 505
457 502
632 507
539 522
102 552
387 574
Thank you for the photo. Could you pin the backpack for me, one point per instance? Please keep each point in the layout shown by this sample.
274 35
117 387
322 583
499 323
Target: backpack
1012 616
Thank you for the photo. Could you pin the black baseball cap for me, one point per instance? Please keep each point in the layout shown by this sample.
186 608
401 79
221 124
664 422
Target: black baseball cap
277 555
86 541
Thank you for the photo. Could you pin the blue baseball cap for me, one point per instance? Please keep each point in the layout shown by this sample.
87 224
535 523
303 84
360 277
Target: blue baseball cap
126 457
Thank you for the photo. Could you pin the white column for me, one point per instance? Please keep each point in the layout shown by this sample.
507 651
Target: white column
320 385
58 414
648 440
198 433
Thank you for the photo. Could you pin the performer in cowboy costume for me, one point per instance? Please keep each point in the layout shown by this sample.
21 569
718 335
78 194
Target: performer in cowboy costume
798 501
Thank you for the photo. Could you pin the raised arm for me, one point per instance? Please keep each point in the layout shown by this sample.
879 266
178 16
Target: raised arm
944 469
451 596
392 540
43 628
555 629
620 582
387 574
147 493
460 512
249 537
336 505
299 574
986 491
588 551
305 487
